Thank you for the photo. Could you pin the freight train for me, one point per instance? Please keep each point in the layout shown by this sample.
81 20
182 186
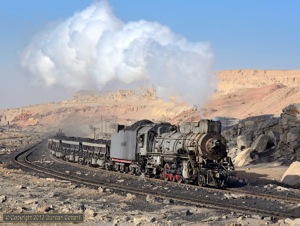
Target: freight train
194 152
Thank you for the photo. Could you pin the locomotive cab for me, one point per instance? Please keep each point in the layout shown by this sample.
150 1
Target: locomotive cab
143 140
146 137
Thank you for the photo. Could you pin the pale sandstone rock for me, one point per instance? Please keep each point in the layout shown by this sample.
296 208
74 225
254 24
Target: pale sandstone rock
44 209
130 196
243 157
3 198
31 201
150 198
292 174
90 212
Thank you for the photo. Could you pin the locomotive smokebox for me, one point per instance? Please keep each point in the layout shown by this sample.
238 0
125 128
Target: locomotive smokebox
212 146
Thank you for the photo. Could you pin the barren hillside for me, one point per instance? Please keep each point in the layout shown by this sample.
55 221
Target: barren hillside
244 93
240 93
234 80
91 111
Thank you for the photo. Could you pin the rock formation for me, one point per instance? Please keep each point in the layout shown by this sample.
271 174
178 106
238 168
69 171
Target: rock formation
266 138
292 175
231 81
246 93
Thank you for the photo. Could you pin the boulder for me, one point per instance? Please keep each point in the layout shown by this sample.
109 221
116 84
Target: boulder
244 141
292 109
274 136
288 120
21 187
143 220
31 201
295 222
232 153
150 198
121 220
292 138
137 221
167 201
100 190
288 221
292 175
243 157
260 144
44 209
293 134
90 213
130 196
3 198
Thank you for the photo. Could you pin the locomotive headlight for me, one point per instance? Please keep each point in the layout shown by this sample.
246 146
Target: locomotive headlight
217 175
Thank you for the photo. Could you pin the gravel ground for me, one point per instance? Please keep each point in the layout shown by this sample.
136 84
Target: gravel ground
27 192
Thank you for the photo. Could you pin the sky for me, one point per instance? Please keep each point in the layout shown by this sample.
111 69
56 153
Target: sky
187 36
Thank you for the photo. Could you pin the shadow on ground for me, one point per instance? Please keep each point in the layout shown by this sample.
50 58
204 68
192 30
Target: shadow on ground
244 178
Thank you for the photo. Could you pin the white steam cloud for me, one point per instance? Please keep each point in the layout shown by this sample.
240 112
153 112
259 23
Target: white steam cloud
95 49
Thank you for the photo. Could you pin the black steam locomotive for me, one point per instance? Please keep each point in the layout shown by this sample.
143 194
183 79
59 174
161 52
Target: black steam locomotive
194 152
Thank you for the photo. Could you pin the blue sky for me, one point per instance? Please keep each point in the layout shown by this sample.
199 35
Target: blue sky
258 34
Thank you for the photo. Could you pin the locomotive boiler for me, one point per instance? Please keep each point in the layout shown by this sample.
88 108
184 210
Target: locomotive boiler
194 152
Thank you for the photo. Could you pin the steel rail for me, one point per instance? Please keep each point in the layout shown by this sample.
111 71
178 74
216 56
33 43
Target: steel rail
22 160
261 196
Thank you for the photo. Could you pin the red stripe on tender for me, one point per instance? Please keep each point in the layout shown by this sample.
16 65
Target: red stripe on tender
121 160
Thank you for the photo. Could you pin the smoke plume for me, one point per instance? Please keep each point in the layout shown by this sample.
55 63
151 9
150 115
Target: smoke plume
95 49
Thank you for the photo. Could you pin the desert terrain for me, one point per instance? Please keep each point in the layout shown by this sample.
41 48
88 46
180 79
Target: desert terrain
240 94
246 93
251 103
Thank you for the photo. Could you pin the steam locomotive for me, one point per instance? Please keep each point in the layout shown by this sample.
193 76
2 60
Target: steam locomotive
194 152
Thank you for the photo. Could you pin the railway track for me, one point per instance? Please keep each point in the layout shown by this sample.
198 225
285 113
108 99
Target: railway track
177 195
229 191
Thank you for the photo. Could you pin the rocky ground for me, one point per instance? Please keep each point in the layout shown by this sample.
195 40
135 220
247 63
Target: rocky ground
27 193
12 140
23 192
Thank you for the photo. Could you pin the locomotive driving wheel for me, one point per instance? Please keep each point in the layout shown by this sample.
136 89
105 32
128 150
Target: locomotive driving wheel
138 171
165 174
179 178
121 168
